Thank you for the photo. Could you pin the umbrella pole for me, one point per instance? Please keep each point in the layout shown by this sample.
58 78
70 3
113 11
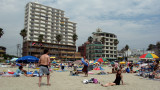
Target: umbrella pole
28 67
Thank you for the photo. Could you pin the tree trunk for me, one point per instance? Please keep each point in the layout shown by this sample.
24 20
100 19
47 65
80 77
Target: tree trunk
58 51
74 52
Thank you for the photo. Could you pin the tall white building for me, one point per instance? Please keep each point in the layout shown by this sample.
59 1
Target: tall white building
49 22
110 48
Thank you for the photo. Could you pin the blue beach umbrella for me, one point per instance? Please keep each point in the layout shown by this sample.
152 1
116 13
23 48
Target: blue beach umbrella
27 59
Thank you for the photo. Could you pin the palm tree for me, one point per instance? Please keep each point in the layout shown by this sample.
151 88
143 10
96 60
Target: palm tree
103 40
126 49
1 32
40 38
23 33
116 42
150 47
58 38
158 45
123 51
74 37
90 39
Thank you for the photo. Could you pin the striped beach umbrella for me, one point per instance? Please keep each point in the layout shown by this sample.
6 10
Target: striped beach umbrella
149 56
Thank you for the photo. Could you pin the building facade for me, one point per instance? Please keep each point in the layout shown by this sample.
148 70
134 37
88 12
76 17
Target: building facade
49 22
110 48
94 50
82 49
2 52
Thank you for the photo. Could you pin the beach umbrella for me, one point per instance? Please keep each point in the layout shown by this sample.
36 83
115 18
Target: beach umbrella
149 56
99 60
27 59
52 57
105 60
13 59
77 62
122 62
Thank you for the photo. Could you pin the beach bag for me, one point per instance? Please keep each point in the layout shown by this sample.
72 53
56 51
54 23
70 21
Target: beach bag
95 81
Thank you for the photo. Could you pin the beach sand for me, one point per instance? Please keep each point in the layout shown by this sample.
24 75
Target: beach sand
62 81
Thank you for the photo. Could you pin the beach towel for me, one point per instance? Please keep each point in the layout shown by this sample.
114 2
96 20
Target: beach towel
90 72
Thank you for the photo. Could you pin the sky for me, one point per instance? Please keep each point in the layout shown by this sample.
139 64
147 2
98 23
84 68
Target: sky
135 22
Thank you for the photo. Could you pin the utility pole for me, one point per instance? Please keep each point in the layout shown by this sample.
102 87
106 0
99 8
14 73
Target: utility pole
18 49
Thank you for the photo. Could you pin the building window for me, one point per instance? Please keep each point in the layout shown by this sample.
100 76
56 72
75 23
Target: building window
107 55
107 35
106 47
107 43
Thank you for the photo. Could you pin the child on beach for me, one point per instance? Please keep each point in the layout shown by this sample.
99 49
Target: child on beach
119 78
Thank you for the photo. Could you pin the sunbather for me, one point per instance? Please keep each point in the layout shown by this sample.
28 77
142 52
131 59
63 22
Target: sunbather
119 78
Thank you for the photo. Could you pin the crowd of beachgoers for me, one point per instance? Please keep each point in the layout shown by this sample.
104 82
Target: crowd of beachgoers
147 70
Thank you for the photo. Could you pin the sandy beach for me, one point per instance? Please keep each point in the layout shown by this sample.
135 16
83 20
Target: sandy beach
62 81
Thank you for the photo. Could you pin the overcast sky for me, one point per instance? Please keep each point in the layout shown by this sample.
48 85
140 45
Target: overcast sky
135 22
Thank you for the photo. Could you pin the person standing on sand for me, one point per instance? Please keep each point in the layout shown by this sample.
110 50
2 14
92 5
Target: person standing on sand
44 64
85 68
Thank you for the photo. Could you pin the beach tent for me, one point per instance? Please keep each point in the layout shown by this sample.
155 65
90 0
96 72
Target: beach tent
27 59
13 59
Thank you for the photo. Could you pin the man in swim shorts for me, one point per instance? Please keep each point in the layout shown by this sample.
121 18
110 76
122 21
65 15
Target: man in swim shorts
44 63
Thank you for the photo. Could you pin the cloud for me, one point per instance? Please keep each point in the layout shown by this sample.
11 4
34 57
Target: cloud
135 22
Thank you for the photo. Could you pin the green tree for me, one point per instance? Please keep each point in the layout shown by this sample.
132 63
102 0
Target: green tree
40 38
150 47
59 38
116 42
74 37
126 49
103 39
158 45
23 33
90 39
1 32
